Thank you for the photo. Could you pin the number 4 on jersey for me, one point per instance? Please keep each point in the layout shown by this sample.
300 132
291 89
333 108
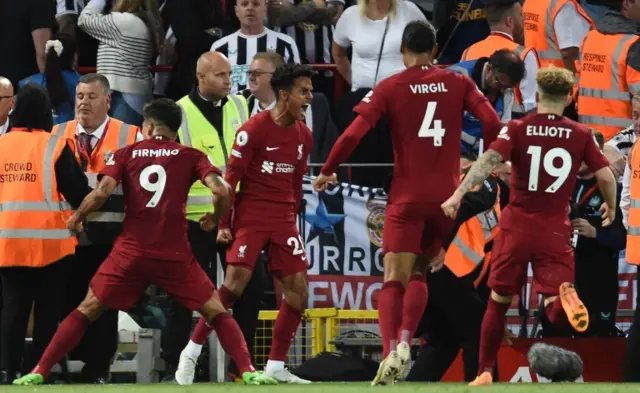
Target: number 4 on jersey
430 127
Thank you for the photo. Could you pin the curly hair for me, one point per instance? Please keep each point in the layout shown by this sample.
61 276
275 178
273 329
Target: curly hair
32 109
163 112
555 84
284 77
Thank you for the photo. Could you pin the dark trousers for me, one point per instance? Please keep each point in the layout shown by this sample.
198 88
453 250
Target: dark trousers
245 310
100 343
23 287
631 369
451 322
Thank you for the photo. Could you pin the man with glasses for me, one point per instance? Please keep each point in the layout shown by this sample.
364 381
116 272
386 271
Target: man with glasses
495 76
6 103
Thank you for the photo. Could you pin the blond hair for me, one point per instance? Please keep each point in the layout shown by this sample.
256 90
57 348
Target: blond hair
272 57
555 84
393 7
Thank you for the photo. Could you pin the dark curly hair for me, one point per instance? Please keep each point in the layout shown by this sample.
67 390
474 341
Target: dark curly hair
163 112
32 109
284 77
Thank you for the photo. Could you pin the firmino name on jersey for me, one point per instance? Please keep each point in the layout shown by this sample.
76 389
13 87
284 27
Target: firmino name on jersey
554 132
155 152
427 88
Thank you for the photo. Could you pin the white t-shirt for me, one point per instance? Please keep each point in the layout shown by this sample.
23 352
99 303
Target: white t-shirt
570 27
365 37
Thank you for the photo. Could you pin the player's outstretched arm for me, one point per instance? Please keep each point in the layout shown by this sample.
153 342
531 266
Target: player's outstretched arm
480 170
222 192
92 202
608 188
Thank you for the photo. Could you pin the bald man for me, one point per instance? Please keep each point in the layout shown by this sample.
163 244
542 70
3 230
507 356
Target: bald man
6 103
211 117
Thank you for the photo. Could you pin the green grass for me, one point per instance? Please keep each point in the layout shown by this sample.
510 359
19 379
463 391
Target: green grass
329 388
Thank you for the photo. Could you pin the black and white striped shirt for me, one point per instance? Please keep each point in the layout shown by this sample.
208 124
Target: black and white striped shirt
240 49
623 141
313 41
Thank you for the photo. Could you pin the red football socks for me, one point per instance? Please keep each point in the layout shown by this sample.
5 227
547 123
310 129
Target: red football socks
390 314
232 341
203 330
284 330
413 305
555 313
67 337
491 334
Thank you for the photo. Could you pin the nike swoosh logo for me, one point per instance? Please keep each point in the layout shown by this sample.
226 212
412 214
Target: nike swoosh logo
272 148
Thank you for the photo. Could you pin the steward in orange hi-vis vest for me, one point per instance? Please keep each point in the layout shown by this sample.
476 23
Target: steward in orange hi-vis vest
472 242
33 213
493 43
104 225
539 32
609 75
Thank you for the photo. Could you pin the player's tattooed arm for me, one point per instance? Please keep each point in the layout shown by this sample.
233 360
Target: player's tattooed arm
480 170
221 194
96 198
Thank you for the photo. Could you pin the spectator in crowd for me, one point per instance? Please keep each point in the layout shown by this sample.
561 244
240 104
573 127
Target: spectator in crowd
625 198
26 27
211 118
34 240
556 33
507 29
631 372
97 136
311 25
460 24
596 250
67 12
59 77
495 76
253 37
610 69
6 103
128 37
458 282
196 25
373 30
260 96
618 148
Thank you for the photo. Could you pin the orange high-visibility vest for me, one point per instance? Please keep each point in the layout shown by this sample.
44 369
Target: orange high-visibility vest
104 225
33 213
466 251
494 42
539 32
606 83
633 231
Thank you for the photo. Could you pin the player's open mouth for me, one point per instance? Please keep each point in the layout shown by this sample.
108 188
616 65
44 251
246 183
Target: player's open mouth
304 107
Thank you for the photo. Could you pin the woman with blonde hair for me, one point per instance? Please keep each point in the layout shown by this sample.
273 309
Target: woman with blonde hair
373 29
129 36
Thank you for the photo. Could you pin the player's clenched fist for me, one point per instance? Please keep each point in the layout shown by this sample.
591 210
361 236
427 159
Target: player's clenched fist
451 206
75 225
224 236
207 222
322 182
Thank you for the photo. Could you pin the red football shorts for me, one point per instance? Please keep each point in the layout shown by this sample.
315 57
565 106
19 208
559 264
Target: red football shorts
418 228
285 248
122 279
551 258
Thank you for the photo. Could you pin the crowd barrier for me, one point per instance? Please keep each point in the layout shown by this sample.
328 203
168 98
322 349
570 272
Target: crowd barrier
356 332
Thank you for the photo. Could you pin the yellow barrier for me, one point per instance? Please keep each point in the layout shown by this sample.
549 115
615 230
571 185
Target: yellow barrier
319 327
